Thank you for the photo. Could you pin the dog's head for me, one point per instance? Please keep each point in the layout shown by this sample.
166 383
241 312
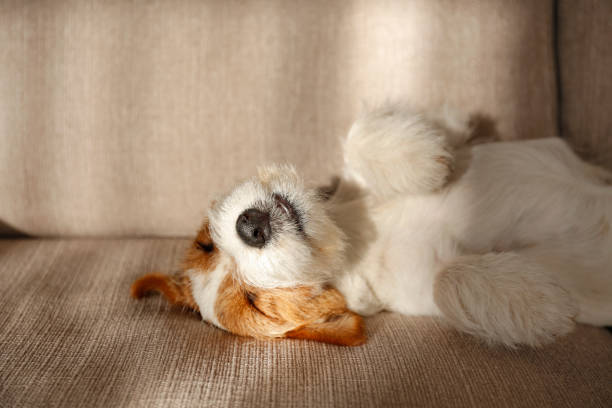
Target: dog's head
260 264
277 231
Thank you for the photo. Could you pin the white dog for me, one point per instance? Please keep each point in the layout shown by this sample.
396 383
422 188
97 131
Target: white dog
508 241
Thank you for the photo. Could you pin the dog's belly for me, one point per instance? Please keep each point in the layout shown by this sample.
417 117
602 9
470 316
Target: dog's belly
524 194
510 197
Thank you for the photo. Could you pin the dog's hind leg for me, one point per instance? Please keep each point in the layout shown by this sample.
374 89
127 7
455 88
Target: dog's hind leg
393 150
504 298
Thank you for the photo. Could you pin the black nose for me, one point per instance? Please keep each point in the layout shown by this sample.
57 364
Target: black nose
253 227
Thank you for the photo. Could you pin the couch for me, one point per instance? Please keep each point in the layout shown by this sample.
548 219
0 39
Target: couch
119 121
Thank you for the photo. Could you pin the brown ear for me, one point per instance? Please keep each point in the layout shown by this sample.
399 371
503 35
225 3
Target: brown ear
176 289
345 329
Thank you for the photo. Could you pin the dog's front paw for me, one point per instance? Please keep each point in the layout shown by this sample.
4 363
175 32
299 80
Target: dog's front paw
394 151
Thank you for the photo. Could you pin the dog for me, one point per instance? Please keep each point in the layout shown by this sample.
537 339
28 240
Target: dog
507 241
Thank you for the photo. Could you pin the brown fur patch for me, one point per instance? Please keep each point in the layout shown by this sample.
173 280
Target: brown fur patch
310 313
345 330
237 311
302 312
176 289
202 253
201 256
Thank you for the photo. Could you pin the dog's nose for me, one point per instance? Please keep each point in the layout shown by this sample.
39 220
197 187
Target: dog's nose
253 227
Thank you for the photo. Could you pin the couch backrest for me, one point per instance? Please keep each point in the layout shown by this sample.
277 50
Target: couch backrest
585 61
126 118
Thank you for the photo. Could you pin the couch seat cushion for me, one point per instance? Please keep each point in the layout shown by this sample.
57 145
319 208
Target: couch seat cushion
70 335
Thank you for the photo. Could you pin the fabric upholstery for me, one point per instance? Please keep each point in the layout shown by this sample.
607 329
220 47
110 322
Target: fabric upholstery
71 336
585 63
124 118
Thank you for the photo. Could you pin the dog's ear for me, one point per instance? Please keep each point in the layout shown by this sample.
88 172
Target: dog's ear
314 313
345 329
176 289
309 313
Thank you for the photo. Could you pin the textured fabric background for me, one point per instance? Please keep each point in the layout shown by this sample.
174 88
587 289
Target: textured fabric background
585 57
126 117
70 336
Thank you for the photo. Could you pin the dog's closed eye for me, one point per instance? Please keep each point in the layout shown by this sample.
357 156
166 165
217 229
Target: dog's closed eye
205 246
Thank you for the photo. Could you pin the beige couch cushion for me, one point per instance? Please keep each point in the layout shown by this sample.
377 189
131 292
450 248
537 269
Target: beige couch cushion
71 336
585 58
124 118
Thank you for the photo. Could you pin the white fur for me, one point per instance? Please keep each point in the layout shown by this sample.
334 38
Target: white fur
418 149
504 297
509 241
288 259
205 287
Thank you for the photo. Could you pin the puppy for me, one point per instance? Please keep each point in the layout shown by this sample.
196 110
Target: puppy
507 241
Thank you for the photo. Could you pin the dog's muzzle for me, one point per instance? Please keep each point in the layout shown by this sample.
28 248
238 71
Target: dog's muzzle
253 227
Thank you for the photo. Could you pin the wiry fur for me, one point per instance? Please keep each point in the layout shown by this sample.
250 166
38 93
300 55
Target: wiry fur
289 259
209 284
418 148
508 241
505 298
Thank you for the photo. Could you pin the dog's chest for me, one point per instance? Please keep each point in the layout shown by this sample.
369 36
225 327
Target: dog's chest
395 250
